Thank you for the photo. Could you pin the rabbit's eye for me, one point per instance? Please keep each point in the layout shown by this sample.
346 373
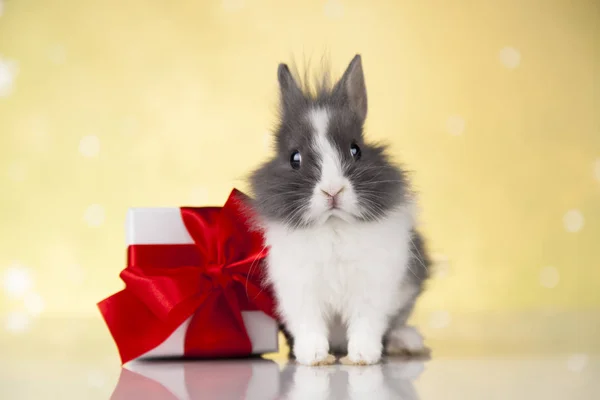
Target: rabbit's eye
295 160
355 151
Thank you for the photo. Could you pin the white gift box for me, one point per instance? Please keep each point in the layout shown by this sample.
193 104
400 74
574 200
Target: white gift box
166 226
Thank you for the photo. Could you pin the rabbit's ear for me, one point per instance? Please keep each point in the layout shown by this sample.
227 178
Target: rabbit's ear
351 88
291 95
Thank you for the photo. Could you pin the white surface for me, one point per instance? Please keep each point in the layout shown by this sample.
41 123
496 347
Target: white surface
165 226
516 378
480 356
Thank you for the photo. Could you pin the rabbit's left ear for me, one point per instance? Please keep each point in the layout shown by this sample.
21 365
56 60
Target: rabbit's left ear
351 87
291 96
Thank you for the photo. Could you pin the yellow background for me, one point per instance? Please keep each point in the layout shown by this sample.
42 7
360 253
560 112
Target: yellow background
495 106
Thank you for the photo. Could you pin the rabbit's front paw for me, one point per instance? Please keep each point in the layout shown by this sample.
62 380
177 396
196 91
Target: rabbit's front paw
363 351
313 350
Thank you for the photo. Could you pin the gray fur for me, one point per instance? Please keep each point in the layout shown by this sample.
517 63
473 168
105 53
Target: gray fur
281 193
419 271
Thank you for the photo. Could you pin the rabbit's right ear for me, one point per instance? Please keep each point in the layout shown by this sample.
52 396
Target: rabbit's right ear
352 89
291 95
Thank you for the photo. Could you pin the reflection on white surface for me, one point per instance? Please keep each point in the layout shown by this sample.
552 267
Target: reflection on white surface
188 380
391 380
258 379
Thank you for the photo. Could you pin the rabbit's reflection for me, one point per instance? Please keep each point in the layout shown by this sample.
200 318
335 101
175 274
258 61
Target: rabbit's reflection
392 380
257 379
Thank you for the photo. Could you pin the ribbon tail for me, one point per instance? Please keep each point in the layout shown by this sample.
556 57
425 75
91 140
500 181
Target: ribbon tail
236 310
134 328
217 329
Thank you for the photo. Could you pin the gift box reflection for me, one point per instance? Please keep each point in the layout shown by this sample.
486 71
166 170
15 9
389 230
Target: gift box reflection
259 379
256 379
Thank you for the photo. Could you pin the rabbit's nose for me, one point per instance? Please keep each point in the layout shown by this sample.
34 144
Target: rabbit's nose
332 196
332 193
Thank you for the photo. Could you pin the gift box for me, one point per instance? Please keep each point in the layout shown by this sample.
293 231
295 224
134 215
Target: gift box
194 285
250 380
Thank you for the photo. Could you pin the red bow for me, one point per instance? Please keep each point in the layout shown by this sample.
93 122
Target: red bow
212 280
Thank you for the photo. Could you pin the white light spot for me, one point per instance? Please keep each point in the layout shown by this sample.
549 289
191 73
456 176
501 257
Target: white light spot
455 125
232 5
577 362
573 220
199 196
16 172
34 303
597 169
549 277
17 322
94 215
8 73
334 9
510 57
89 146
17 281
1 7
57 54
439 319
96 379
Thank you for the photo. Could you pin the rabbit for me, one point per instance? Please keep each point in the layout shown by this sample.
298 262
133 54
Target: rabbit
345 259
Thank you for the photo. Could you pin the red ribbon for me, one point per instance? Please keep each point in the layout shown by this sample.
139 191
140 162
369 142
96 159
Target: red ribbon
213 280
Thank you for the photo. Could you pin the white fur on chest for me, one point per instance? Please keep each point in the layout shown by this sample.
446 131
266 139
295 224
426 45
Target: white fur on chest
339 264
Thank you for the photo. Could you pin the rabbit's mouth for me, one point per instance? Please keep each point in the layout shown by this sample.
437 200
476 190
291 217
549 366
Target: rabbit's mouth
339 213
